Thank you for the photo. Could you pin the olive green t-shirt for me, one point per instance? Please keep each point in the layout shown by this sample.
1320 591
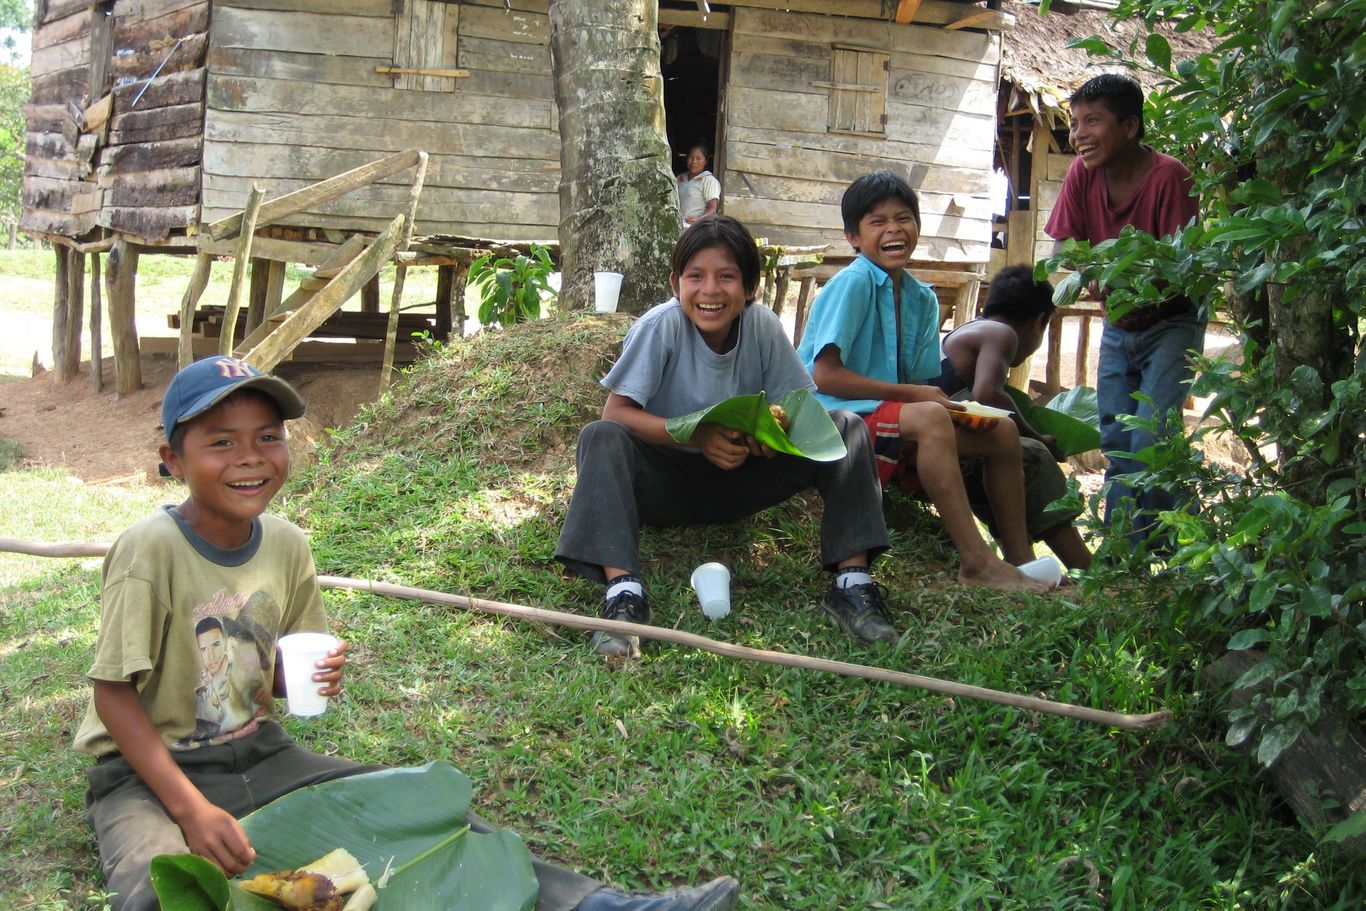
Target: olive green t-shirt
193 626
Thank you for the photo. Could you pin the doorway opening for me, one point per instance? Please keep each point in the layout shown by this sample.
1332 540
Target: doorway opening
691 62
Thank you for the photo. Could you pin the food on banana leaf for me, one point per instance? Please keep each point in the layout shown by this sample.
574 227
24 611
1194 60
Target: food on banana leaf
780 415
320 886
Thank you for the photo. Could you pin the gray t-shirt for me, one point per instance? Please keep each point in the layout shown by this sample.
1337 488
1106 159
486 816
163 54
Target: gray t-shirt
667 368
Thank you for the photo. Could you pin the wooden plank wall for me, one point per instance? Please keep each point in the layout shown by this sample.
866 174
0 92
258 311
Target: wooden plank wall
136 171
149 171
785 172
60 196
294 98
1049 170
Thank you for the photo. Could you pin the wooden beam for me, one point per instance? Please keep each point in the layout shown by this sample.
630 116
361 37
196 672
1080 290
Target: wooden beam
272 248
342 255
239 267
75 308
906 10
311 315
61 290
989 19
408 71
692 19
319 193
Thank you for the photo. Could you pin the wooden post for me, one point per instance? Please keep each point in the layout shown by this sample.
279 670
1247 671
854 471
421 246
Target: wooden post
275 286
120 286
803 299
386 372
256 294
61 314
239 268
369 295
75 312
1053 369
1083 349
780 289
199 280
96 341
445 280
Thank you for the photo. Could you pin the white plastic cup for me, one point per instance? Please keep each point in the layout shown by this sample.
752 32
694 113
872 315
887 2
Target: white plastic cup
300 653
1045 569
711 581
606 290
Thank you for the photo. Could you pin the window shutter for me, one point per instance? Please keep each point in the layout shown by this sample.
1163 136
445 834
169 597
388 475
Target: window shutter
858 91
425 34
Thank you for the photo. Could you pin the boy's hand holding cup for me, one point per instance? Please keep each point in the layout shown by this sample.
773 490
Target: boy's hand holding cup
313 665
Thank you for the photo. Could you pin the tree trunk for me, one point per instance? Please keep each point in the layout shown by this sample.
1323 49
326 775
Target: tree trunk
618 198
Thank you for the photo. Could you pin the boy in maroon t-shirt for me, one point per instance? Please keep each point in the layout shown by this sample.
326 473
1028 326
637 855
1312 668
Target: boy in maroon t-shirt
1117 180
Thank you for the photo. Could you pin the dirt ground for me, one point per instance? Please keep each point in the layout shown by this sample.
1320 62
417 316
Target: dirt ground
104 438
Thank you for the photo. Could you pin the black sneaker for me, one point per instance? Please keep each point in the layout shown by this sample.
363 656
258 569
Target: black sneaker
718 895
629 607
861 612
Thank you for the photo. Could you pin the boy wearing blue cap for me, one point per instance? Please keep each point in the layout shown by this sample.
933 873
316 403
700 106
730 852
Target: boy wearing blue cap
194 598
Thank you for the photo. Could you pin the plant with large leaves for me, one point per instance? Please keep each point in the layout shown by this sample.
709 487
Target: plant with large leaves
407 828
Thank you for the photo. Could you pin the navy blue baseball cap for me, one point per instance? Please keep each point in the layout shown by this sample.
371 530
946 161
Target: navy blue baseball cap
205 383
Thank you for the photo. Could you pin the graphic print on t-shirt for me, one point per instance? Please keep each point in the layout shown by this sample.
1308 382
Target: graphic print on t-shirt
235 637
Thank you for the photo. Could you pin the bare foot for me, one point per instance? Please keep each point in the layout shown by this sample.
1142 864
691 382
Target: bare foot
1001 576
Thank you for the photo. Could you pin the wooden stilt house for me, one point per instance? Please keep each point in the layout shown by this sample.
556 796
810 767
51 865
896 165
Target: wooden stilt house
151 119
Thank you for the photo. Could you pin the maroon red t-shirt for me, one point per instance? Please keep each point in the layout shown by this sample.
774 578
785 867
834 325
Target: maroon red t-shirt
1160 206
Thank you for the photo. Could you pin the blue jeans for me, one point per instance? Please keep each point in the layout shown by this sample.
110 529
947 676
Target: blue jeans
1155 362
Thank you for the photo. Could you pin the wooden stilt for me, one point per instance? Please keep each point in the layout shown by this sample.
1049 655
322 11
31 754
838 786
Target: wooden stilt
1053 369
75 312
1083 349
445 279
61 313
369 296
256 295
120 286
275 286
96 318
199 280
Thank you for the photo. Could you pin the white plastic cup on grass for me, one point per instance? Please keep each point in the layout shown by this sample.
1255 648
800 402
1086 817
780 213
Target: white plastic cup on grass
606 290
300 653
711 581
1045 569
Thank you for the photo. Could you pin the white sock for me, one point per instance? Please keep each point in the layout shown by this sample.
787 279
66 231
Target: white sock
853 576
624 584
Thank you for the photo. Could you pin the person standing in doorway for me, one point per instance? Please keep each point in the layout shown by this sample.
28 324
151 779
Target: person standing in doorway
699 192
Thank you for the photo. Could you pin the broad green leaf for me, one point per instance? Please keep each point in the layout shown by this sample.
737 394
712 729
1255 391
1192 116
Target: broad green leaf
811 435
1248 638
1275 740
1158 51
410 822
1073 435
188 882
1353 826
1240 731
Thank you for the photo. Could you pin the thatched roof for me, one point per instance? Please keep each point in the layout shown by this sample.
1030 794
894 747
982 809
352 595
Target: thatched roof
1042 70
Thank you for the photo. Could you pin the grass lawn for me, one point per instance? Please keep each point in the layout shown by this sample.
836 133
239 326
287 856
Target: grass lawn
816 792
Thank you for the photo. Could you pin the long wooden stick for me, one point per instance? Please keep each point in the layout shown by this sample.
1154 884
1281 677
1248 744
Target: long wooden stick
660 634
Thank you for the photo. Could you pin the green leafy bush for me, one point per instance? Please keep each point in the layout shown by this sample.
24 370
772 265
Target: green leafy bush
510 289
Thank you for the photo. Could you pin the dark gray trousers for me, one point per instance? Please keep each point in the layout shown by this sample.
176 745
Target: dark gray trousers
624 482
240 776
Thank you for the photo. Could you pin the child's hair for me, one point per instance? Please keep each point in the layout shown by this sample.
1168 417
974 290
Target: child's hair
703 146
1014 295
1121 95
871 189
721 231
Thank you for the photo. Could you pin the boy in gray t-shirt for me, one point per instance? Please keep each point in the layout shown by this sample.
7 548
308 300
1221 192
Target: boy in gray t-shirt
705 345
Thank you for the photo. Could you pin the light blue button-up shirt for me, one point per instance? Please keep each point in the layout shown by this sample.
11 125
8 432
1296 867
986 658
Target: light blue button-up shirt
855 313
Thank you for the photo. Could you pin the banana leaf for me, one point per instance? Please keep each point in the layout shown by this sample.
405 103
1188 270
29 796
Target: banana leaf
811 434
410 822
1071 418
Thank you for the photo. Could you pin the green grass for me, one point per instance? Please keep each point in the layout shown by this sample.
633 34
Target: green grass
817 792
